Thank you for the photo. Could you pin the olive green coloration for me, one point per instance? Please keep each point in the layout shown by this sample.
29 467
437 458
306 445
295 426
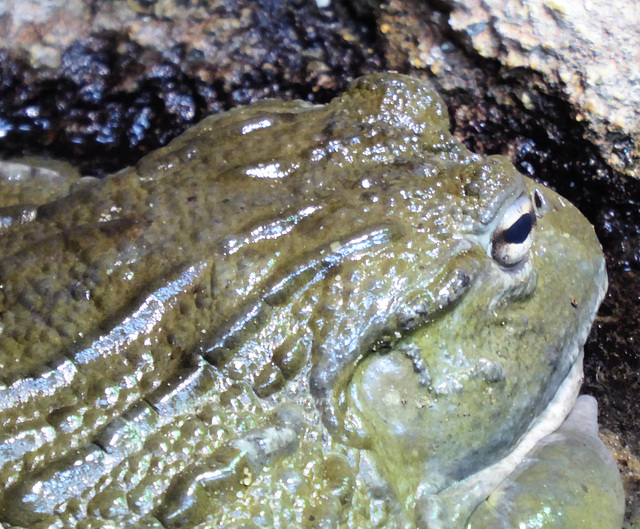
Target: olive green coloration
292 316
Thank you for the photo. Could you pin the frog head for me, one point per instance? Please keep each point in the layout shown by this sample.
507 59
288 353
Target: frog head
477 304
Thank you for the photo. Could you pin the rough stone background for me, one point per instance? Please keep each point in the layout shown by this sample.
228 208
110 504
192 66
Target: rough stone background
590 49
551 84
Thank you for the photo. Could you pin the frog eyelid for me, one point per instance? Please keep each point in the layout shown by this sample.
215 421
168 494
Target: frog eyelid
540 203
513 236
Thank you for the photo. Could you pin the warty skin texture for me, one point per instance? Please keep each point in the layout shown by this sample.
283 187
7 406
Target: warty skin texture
291 316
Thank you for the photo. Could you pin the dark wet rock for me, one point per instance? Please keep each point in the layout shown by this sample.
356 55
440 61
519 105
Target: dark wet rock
127 76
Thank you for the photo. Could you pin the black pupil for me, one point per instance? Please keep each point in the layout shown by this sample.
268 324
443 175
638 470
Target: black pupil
519 230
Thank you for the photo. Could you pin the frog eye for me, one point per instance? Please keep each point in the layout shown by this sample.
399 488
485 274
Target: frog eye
512 238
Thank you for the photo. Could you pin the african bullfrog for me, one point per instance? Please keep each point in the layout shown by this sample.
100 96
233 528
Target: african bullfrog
301 315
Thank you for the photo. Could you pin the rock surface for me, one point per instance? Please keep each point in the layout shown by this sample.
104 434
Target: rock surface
126 76
590 48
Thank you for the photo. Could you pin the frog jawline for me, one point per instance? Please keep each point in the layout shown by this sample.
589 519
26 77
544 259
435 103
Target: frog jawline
452 507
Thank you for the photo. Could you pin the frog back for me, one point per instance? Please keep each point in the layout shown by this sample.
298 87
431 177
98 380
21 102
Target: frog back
171 295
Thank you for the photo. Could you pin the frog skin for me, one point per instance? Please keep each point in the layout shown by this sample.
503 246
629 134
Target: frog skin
301 315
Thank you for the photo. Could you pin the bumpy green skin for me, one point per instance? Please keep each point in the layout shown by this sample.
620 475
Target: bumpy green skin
289 317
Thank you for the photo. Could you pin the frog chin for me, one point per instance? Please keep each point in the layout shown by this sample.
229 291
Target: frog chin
451 507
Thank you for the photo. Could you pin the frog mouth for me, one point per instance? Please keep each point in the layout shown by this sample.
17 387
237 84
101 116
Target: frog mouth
452 506
455 504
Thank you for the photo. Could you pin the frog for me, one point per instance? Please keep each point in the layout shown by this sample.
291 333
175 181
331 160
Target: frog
301 315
